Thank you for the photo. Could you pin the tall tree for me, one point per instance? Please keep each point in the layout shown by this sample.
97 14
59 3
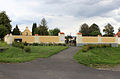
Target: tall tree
34 28
108 30
94 30
16 31
84 29
43 29
3 31
5 21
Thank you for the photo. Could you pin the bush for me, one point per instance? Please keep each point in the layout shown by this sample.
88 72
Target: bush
35 44
50 44
88 47
42 44
26 44
18 44
3 44
27 49
85 48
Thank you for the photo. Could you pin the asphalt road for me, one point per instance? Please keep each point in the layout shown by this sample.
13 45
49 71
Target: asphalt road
59 66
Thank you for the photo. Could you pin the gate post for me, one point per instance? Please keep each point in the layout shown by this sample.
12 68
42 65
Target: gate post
36 38
61 37
79 39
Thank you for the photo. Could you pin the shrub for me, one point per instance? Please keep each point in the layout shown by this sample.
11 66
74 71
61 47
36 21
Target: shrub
50 44
64 44
85 48
42 44
26 44
27 49
35 44
18 44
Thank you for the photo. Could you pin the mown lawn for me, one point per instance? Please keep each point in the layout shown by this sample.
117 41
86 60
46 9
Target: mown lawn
16 55
99 57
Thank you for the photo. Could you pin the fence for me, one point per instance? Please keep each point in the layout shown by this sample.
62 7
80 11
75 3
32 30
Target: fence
83 40
9 39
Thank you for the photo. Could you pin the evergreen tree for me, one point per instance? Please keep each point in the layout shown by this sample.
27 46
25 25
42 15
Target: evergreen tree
34 28
3 31
16 31
43 29
84 29
109 29
5 21
94 30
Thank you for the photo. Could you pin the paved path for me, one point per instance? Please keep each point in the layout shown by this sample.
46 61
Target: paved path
59 66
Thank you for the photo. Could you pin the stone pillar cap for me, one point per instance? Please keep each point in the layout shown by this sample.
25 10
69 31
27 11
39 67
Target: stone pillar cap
79 33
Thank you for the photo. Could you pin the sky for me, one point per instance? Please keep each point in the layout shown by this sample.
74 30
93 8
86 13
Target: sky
68 15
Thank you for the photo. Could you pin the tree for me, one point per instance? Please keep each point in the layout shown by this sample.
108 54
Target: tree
56 31
51 32
3 31
16 31
94 30
34 28
43 29
119 29
84 29
108 30
5 21
95 33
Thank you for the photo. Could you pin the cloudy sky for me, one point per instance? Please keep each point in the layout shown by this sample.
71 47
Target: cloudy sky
67 15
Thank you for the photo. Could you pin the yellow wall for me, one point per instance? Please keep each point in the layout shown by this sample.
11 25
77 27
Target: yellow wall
28 39
31 39
90 39
108 39
49 39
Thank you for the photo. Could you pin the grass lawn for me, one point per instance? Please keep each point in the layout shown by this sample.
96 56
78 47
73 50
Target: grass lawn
99 57
16 55
3 44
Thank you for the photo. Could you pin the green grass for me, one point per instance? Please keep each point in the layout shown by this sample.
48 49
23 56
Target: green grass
16 55
3 44
99 56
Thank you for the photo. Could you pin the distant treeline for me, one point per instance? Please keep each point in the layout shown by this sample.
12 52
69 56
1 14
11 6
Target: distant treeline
94 30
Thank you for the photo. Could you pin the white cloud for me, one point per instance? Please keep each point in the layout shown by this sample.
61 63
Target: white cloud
67 15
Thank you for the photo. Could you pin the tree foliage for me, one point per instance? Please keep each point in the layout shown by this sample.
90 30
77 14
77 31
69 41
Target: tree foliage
3 31
84 29
94 30
5 21
119 29
43 29
16 31
54 32
108 30
34 29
